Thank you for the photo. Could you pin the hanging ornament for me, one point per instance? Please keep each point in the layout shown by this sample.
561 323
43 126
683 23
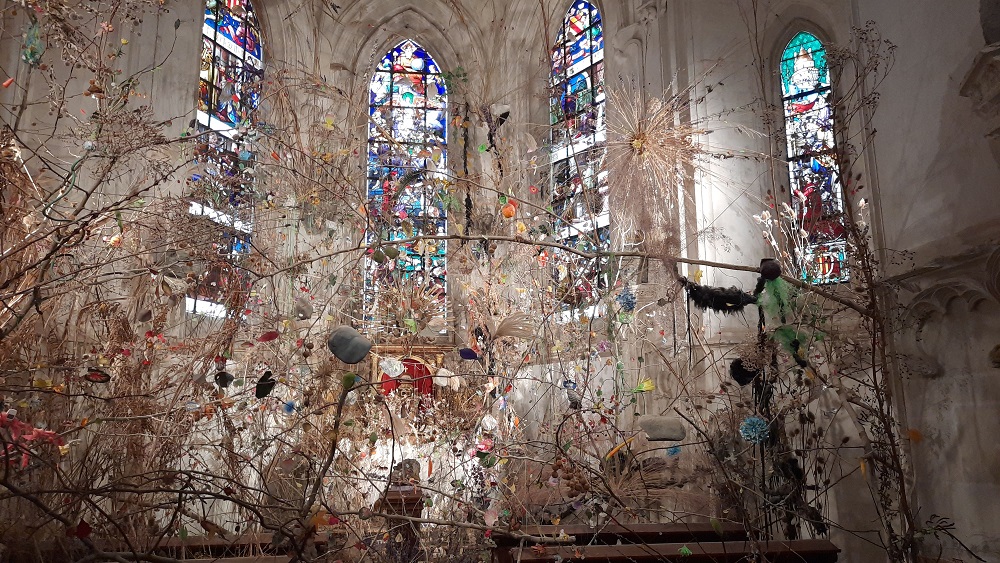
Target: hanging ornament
303 308
391 367
754 429
348 345
740 373
223 379
626 299
264 385
97 375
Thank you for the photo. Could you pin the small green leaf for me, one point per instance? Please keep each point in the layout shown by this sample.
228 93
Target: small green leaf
411 325
183 533
685 551
489 460
482 147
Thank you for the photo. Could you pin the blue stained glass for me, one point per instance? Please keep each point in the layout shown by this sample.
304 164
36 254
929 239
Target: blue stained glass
578 186
229 95
408 130
814 176
234 25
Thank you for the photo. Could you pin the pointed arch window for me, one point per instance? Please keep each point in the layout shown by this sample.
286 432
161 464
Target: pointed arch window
579 191
407 153
229 94
814 175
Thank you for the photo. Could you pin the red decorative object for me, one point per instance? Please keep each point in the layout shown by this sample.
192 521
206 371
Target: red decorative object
414 370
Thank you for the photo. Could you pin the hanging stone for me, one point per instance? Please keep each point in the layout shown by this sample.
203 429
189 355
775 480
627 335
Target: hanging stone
223 379
348 344
663 428
303 309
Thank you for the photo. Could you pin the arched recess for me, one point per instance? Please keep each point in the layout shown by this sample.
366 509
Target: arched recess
436 25
230 81
407 193
815 189
578 186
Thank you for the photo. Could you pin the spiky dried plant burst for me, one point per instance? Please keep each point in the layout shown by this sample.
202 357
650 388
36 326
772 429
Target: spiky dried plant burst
651 150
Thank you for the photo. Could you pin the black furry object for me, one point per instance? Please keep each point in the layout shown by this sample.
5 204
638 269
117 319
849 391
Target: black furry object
740 374
721 299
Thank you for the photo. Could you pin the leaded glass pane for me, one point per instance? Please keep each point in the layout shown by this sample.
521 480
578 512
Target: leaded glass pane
229 95
408 109
578 184
814 177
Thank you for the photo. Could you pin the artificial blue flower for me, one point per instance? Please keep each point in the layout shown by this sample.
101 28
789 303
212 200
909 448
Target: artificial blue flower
288 407
754 429
674 451
626 299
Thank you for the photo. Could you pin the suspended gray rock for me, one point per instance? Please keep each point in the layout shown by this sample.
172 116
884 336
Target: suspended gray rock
663 428
575 400
349 345
303 309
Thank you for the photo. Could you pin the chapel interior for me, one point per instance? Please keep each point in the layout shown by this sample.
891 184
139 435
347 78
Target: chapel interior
499 280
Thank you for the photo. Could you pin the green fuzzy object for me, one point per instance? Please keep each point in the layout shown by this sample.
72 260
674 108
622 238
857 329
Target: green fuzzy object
776 300
784 336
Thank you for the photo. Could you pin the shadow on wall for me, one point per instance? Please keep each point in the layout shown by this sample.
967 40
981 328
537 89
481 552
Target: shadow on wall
989 16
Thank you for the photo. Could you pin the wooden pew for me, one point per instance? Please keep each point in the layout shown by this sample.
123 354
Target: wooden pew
682 542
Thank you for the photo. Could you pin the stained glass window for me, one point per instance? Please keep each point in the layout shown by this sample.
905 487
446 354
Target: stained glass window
229 94
579 192
407 146
817 196
231 65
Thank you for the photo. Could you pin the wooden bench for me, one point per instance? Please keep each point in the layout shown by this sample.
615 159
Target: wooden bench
686 542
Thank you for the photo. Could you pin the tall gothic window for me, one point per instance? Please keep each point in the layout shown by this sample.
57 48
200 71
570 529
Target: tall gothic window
229 93
579 180
814 177
407 146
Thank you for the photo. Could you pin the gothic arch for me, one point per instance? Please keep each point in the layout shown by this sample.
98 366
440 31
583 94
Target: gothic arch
391 23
